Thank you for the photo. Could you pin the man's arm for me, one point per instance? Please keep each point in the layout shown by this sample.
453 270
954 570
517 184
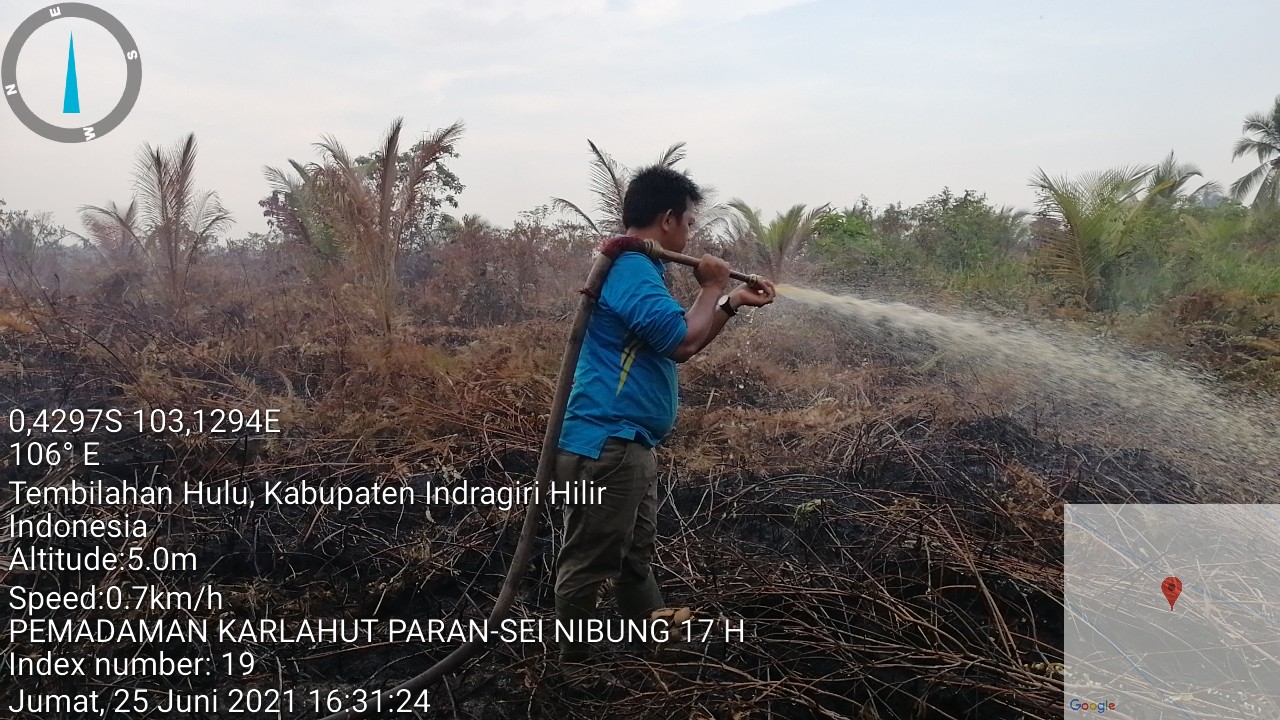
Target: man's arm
704 320
635 291
651 313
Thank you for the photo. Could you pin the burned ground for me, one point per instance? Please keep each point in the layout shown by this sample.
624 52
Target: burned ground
890 543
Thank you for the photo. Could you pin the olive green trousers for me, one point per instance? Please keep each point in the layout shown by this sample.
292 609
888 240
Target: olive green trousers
612 539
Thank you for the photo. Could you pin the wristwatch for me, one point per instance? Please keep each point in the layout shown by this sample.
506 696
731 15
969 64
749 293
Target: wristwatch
725 304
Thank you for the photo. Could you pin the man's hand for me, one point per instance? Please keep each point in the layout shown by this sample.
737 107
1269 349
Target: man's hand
703 319
712 273
753 295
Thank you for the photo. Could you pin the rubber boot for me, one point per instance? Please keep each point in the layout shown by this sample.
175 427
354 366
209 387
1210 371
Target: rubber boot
570 610
637 600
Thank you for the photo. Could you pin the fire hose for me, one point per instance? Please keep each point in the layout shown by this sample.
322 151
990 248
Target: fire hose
551 439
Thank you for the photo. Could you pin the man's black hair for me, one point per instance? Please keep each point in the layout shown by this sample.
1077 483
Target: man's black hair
655 190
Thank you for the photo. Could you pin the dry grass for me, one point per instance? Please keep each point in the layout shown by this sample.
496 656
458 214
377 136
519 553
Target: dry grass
890 537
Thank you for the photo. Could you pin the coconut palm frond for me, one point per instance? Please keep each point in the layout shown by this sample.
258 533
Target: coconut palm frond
205 217
672 155
1011 226
1262 124
1265 145
1168 178
609 180
332 149
182 171
1245 146
281 181
1068 250
151 186
298 214
345 201
111 229
1011 215
1241 188
742 230
1268 196
1206 191
126 218
304 171
782 236
386 182
424 157
748 215
710 230
565 206
428 152
210 217
713 223
779 242
804 229
1094 216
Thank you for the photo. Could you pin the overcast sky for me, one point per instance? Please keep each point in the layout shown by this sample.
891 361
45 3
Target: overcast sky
780 101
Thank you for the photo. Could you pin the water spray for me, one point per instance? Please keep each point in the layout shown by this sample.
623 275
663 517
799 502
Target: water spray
546 462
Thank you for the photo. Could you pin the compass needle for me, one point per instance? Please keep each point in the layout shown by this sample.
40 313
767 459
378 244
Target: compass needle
71 96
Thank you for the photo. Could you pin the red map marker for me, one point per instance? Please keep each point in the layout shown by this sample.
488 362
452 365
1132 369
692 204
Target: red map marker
1172 588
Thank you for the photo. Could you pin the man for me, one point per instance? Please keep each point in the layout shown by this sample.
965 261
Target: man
624 400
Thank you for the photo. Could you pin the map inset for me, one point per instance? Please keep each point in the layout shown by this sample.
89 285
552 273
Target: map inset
1172 611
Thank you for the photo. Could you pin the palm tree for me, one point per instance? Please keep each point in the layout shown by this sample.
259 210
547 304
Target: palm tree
363 211
113 230
609 180
294 205
169 219
1169 178
1092 218
1012 224
1265 143
778 243
182 221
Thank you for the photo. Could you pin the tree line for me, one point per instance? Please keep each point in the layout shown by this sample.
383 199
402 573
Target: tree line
1120 237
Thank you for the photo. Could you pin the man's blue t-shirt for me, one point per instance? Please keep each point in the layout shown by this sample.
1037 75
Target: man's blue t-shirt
625 383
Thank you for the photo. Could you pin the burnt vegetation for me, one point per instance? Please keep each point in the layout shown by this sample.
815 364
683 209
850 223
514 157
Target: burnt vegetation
888 534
